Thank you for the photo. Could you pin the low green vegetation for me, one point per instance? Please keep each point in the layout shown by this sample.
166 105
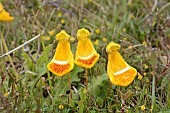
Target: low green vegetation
141 27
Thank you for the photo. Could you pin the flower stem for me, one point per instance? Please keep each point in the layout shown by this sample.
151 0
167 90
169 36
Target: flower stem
86 73
69 85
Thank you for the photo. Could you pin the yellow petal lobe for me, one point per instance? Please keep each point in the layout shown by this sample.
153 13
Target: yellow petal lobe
4 15
119 72
63 61
86 55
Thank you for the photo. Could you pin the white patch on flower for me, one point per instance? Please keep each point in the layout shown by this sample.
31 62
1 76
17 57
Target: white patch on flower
60 62
85 58
122 71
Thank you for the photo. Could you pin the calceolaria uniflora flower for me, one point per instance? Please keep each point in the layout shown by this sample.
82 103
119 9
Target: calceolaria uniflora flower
86 55
63 61
119 72
4 15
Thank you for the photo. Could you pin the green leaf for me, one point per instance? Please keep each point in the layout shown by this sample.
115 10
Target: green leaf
28 63
154 59
99 101
80 106
82 94
42 69
165 111
74 73
97 81
63 85
44 56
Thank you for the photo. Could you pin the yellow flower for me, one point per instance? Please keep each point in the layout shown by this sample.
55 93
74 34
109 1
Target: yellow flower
90 1
61 107
143 107
130 47
51 33
46 37
63 61
151 108
144 74
62 21
86 55
169 35
97 31
151 72
131 16
119 72
104 39
59 14
129 3
144 43
72 39
6 94
145 66
84 91
124 38
96 42
124 29
4 15
140 77
84 20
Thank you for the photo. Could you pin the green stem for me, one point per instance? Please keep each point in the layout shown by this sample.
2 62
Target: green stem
69 85
86 73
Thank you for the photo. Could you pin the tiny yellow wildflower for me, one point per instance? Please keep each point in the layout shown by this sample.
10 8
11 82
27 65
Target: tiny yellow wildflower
124 29
151 108
144 73
62 21
145 66
131 16
137 88
46 37
61 107
151 72
140 77
51 33
59 14
144 43
143 107
129 3
25 97
97 31
96 42
104 39
84 20
84 91
90 1
72 39
124 38
6 94
130 47
169 35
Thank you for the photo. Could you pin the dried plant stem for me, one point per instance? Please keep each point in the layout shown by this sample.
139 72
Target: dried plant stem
86 73
69 83
153 90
